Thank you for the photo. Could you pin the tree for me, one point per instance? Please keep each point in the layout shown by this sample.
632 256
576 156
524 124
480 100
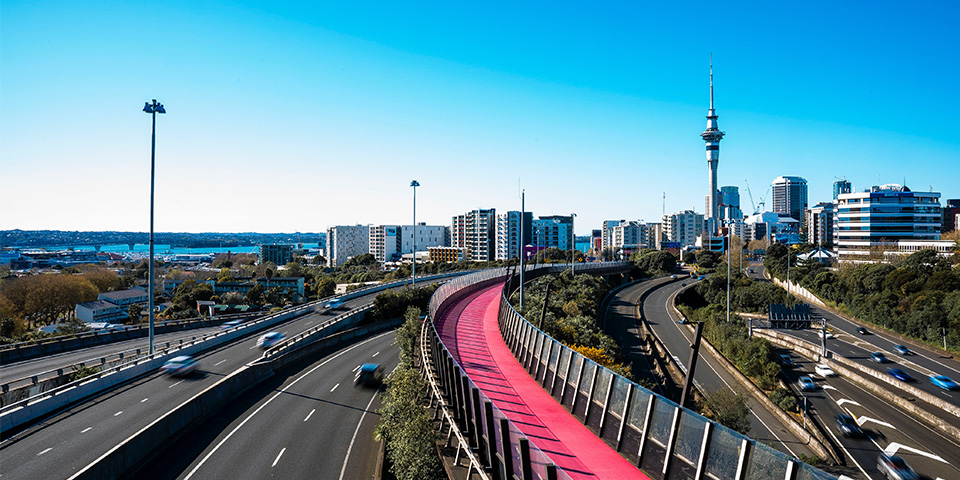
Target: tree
225 275
408 335
103 279
326 286
134 311
254 296
728 409
232 298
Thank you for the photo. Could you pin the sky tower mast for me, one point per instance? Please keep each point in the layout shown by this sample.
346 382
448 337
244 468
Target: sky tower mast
712 136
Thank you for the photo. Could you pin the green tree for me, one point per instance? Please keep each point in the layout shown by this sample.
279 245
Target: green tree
326 286
254 296
728 409
408 335
409 434
134 311
225 275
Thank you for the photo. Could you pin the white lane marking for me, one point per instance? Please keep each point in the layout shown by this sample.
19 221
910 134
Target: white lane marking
144 400
282 391
308 323
343 470
175 384
309 414
862 420
893 447
85 430
827 387
334 387
45 451
375 354
851 402
838 442
355 369
118 413
221 361
284 449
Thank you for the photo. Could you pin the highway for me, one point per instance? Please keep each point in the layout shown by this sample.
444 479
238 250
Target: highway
657 309
310 422
71 440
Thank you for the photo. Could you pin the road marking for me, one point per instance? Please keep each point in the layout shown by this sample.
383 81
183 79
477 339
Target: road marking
309 414
893 447
175 384
144 400
851 402
118 413
862 420
355 369
375 354
85 430
308 323
284 449
261 407
827 387
334 387
45 451
343 470
221 361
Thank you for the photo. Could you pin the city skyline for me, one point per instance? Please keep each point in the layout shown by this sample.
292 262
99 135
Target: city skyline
295 118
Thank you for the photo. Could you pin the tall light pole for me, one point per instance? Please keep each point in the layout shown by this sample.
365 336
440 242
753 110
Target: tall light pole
153 109
520 243
414 184
573 245
728 274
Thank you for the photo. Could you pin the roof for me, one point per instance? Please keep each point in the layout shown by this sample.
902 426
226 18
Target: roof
121 294
97 305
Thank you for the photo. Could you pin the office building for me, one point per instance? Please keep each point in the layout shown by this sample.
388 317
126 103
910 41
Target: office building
951 216
790 196
554 231
475 233
886 218
819 224
509 228
389 243
682 228
345 241
278 254
840 187
730 204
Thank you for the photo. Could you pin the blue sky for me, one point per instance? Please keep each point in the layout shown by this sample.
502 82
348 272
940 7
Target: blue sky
288 116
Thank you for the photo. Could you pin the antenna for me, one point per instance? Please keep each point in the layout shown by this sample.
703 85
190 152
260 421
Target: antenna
711 80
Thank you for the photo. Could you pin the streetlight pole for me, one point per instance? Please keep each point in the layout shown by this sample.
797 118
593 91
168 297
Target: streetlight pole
414 184
153 109
573 245
728 275
520 243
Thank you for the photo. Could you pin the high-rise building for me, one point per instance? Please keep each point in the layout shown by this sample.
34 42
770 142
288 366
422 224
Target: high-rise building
475 233
554 231
712 136
345 241
388 243
509 227
682 227
884 218
841 186
790 196
606 233
819 222
730 204
278 254
951 212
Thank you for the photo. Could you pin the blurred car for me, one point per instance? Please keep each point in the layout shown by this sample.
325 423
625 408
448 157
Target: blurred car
334 304
749 270
370 374
899 374
701 277
879 357
830 334
824 370
683 284
862 331
944 382
673 276
895 468
179 366
230 324
902 350
683 321
786 361
848 426
269 339
806 383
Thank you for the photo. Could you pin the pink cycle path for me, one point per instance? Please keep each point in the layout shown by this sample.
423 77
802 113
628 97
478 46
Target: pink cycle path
469 330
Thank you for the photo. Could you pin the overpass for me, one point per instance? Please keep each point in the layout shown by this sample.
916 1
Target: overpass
507 430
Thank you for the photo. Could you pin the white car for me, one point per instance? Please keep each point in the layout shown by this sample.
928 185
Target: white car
268 340
824 370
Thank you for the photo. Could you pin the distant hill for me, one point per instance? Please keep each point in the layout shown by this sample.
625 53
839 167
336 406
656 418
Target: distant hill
41 238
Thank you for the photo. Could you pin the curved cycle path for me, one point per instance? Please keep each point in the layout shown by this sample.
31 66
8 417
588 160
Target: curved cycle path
470 331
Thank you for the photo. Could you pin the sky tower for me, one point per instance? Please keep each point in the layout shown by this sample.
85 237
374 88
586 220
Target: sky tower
712 136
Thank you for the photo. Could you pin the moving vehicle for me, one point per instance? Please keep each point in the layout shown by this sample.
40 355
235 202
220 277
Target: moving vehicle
683 321
786 361
269 339
899 374
879 357
862 331
369 374
944 382
824 370
902 350
179 366
895 468
701 277
230 324
334 304
806 383
848 426
749 270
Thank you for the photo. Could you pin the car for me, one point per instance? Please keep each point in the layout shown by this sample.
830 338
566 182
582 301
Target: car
899 374
673 276
749 270
269 339
848 426
830 334
902 350
895 468
683 321
179 366
944 382
334 304
701 277
230 324
862 331
879 357
683 284
369 374
806 383
824 370
786 361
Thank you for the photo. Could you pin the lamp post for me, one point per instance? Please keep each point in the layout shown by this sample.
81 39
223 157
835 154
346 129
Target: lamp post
153 109
728 275
573 245
414 184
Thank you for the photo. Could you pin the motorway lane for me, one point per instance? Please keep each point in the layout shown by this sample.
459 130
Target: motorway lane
69 441
928 452
658 311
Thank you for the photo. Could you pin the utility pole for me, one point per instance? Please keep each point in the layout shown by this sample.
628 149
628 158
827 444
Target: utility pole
523 215
694 353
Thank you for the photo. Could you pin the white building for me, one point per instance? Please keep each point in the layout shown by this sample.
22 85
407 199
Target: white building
475 234
345 241
682 227
508 232
100 311
819 222
883 218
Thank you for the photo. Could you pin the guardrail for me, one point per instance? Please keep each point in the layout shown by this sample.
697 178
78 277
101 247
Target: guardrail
663 439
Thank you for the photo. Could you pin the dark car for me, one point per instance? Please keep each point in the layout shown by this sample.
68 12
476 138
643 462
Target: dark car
369 374
895 468
848 426
806 384
786 361
899 374
902 350
862 331
879 357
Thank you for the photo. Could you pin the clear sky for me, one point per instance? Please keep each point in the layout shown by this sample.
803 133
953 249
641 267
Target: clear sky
289 116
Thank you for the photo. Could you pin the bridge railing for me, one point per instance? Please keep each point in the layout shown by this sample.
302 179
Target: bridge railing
662 439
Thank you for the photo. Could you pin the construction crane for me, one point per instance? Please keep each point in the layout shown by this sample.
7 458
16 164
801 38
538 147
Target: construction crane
751 198
763 203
